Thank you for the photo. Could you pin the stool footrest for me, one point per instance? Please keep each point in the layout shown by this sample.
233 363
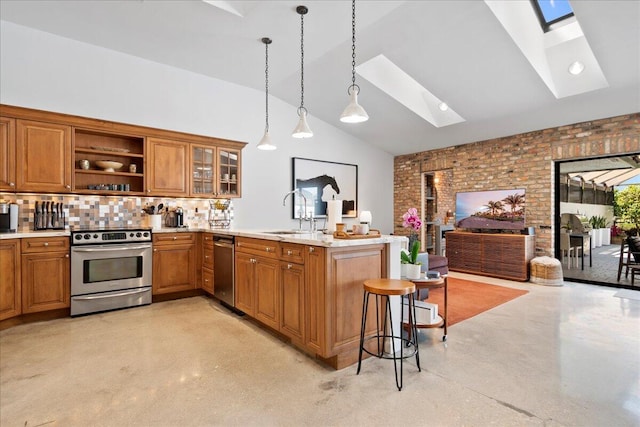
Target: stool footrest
406 343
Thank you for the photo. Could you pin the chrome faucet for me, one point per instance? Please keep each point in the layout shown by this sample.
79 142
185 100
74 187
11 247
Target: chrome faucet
303 216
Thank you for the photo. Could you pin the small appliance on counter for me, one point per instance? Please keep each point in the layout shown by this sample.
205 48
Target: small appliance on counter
8 217
175 218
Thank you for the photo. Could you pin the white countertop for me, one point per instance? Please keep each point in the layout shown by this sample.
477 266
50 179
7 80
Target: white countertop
315 239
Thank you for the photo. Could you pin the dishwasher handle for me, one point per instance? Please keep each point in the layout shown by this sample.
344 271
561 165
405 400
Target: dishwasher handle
223 244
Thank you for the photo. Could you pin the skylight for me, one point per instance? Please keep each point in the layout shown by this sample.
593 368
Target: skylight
396 83
551 11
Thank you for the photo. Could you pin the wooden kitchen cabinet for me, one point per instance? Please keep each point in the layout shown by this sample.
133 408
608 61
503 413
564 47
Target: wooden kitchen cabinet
228 176
92 145
45 269
207 263
292 300
257 288
43 157
257 280
167 169
7 154
174 262
10 285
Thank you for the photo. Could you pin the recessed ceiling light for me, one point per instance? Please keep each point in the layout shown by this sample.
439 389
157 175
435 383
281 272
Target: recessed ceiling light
576 68
443 106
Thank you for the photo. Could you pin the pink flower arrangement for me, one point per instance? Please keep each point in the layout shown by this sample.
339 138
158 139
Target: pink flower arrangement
411 220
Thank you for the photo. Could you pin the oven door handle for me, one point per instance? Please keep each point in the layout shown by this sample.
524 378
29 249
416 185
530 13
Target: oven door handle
120 294
110 249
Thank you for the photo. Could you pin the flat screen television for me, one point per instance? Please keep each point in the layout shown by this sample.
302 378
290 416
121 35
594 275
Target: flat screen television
495 210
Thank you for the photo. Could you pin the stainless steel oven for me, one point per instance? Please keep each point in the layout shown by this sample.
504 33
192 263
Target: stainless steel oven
110 269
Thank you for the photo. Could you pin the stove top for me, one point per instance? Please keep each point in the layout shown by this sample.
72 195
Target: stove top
115 235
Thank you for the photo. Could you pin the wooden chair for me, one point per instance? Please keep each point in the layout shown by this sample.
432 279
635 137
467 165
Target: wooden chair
629 255
566 249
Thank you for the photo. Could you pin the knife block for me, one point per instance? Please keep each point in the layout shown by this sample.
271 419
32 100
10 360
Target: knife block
49 221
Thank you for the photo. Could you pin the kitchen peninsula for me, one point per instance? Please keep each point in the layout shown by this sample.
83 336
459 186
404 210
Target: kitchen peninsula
306 287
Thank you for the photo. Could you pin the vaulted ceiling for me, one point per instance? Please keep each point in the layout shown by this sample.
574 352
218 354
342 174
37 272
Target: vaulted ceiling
458 50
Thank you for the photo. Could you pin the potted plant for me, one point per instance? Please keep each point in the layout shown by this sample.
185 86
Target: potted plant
410 262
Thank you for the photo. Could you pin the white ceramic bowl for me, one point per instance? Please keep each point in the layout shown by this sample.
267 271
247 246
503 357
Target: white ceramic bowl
108 165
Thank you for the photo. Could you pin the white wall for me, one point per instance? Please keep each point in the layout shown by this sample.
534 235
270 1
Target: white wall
43 71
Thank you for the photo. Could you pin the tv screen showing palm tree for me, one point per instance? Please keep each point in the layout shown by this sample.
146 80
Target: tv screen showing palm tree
494 209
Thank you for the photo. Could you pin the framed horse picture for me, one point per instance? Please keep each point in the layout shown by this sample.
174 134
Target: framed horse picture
321 181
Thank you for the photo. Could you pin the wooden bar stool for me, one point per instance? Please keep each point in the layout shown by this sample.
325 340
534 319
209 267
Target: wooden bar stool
384 288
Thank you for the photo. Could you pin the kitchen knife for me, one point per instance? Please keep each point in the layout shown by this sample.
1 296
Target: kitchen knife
49 207
36 217
54 215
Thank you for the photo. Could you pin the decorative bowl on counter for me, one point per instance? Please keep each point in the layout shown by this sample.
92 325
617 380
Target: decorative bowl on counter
108 165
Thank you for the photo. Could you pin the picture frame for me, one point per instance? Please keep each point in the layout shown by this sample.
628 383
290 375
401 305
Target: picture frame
321 181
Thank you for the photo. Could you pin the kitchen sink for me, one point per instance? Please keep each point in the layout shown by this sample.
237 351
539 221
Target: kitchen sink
287 232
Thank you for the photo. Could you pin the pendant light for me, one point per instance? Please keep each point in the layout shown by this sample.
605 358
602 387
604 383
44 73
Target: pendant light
302 130
265 142
354 113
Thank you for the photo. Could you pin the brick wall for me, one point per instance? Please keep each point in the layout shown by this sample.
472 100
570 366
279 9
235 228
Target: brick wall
519 161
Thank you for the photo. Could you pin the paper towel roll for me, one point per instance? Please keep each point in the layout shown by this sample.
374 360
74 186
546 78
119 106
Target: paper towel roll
334 214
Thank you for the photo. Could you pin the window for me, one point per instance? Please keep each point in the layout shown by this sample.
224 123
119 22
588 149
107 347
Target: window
551 11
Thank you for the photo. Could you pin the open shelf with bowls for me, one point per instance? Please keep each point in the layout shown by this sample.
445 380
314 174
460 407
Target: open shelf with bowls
106 162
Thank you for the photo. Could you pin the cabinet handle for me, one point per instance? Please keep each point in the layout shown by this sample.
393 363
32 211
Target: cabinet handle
66 255
68 187
312 249
206 280
175 238
12 184
289 266
268 249
206 257
46 243
289 252
155 250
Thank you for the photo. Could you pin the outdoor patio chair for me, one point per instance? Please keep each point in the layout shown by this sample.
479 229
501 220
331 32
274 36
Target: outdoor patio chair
629 255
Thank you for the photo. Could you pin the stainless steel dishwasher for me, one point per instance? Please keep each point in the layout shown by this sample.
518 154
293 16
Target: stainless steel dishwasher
223 269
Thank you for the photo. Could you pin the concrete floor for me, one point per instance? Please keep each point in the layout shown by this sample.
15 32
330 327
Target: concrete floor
558 356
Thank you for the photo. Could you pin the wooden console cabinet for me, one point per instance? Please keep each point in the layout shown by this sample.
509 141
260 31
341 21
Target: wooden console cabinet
498 255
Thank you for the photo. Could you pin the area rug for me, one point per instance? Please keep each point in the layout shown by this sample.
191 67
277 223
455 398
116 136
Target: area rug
468 298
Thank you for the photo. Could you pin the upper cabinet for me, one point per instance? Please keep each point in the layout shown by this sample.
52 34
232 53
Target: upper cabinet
43 151
92 175
228 173
167 167
215 171
7 154
47 152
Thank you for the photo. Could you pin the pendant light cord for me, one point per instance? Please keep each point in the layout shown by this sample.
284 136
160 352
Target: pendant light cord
301 61
353 43
266 83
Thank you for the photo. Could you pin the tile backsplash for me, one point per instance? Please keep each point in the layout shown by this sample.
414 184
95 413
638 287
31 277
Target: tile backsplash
110 211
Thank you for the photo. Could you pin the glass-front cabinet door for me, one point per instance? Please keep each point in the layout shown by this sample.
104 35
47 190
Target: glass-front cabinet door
228 173
202 170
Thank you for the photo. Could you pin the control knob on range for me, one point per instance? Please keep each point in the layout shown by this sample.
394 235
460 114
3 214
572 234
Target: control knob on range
95 236
87 236
78 237
145 234
138 234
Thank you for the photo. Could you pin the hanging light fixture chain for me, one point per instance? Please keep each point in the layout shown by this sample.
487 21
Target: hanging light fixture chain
302 60
353 43
266 83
